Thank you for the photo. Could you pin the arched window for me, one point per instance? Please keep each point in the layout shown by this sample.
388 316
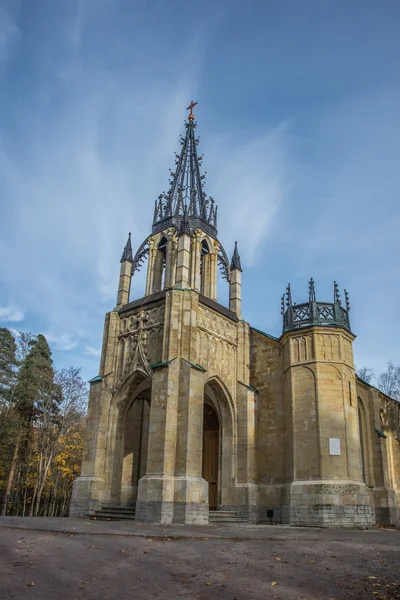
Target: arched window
362 427
205 272
159 266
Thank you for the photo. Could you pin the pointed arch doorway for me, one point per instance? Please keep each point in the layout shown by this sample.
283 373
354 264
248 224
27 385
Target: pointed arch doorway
211 436
135 442
128 438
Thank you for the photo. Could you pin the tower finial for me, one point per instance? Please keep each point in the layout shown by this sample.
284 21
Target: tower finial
346 295
191 107
235 262
283 305
289 303
311 291
336 294
186 187
127 253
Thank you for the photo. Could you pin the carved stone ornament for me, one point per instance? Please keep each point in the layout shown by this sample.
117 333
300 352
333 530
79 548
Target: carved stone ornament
216 324
136 346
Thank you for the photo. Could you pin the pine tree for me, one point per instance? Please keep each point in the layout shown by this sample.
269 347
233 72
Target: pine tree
42 419
8 379
35 378
33 390
8 371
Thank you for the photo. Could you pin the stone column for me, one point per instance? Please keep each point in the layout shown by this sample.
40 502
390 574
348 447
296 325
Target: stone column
247 486
243 352
191 490
124 282
206 275
195 260
110 343
214 271
384 490
150 266
235 292
90 489
156 489
247 475
183 262
158 272
172 489
170 262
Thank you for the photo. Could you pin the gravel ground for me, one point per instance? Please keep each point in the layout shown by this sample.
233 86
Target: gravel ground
72 559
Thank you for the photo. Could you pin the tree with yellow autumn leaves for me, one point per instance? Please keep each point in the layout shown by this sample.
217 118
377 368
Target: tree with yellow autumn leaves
42 420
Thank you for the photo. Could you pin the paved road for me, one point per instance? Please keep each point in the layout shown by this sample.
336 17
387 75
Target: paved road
74 559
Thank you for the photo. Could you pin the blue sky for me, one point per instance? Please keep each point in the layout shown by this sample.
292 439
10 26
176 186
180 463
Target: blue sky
298 118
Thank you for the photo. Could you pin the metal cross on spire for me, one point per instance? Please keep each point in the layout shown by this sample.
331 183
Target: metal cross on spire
186 189
191 107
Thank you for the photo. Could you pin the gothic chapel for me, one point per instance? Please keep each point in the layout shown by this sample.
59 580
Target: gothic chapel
196 416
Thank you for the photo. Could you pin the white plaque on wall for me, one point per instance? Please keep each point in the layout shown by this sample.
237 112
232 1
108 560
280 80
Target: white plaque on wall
334 446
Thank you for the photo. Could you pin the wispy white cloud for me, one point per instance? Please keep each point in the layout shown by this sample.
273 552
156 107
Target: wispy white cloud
9 34
86 148
343 220
250 182
91 175
11 313
62 341
92 351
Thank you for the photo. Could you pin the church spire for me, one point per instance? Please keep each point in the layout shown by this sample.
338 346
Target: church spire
235 283
186 189
235 262
127 253
125 274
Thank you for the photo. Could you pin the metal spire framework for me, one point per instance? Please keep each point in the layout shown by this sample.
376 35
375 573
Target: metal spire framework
186 206
186 191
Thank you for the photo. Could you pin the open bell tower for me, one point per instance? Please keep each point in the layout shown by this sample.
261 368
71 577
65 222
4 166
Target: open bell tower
168 359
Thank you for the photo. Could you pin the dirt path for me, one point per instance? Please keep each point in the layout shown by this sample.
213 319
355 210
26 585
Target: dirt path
289 564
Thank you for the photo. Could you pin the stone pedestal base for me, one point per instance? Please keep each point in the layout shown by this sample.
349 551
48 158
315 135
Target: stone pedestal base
190 500
387 503
155 499
275 498
169 499
87 495
128 494
330 503
247 501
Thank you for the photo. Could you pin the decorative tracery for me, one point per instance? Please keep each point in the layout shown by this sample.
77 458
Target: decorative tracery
140 256
313 312
223 263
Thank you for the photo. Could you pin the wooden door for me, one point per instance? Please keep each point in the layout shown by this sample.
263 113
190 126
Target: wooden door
210 454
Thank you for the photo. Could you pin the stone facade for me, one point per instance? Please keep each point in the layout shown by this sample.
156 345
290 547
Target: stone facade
299 439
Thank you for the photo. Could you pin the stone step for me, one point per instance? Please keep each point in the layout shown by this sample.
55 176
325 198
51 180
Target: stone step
231 520
228 513
118 509
224 516
114 512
